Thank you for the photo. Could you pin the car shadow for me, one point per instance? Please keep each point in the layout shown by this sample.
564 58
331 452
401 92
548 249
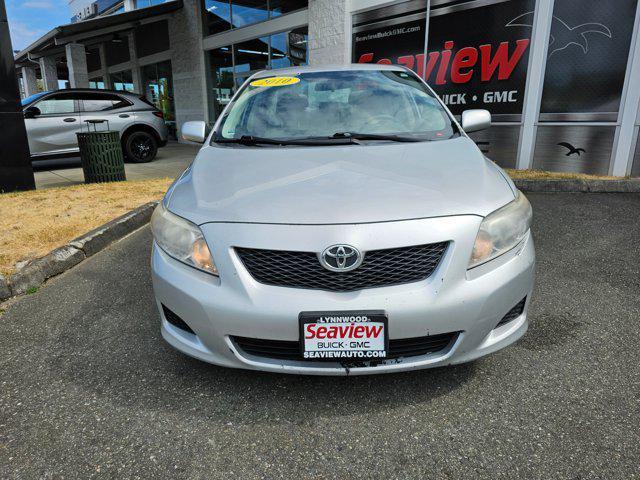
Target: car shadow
144 373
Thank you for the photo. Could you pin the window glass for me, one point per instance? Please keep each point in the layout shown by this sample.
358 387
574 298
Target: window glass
31 98
152 38
246 12
289 48
122 81
280 7
158 87
252 55
325 103
221 80
96 82
149 3
279 58
107 6
101 103
93 59
56 105
117 50
587 57
218 16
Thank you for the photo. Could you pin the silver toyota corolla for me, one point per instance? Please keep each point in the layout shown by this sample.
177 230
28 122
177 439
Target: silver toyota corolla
339 221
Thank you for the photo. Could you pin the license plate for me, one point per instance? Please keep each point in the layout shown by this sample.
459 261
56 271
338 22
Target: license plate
343 335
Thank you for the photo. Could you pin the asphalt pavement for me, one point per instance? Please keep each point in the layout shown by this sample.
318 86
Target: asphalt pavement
88 388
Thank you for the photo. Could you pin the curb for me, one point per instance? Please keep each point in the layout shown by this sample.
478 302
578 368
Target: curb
584 186
37 271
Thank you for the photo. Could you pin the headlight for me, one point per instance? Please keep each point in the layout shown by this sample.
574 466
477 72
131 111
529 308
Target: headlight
182 240
502 230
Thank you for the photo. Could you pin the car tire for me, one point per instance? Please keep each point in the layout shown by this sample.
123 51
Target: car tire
140 147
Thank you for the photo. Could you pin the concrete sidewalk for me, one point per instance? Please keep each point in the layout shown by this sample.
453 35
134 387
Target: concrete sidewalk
170 162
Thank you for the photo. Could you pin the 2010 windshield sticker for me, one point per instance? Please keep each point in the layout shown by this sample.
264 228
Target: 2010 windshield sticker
275 81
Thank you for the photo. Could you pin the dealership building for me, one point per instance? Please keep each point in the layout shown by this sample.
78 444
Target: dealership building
561 78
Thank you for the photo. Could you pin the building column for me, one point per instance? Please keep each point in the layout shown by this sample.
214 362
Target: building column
49 72
29 81
187 64
104 71
625 142
535 81
77 65
135 68
329 32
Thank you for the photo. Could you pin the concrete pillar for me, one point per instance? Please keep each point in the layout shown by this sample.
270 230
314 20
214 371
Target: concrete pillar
130 5
535 81
135 68
187 63
104 71
29 81
329 32
625 141
77 65
49 72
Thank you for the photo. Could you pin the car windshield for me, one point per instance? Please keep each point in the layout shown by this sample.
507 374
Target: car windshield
338 104
31 98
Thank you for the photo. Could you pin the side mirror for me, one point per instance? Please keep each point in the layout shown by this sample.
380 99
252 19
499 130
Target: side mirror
32 112
195 131
474 120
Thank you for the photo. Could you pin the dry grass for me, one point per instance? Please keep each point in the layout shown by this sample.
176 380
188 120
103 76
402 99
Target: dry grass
34 223
542 175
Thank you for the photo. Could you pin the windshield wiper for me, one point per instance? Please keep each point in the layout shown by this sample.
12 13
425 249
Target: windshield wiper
376 136
339 138
248 140
252 140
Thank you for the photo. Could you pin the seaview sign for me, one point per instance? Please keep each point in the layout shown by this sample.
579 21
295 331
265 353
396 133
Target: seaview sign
476 58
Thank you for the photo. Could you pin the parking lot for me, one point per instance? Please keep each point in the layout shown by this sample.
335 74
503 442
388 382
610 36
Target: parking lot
90 389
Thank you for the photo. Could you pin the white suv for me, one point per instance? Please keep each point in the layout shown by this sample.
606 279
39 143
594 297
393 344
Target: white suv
53 118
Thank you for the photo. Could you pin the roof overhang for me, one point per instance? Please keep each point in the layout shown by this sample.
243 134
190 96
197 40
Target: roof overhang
51 41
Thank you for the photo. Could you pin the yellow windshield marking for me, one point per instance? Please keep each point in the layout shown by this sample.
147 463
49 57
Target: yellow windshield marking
274 81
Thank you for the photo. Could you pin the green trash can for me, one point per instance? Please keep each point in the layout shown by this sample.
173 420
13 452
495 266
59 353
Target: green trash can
101 154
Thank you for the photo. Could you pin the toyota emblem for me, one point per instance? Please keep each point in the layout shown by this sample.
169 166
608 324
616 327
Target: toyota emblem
341 258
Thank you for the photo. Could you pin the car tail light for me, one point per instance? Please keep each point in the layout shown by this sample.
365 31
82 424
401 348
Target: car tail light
158 114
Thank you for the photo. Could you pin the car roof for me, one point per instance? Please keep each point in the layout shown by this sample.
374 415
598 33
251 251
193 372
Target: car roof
92 90
328 68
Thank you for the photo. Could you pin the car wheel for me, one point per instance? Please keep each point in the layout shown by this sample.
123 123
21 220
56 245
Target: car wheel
140 147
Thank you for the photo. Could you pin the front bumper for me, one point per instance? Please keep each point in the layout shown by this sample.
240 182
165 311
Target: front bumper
452 299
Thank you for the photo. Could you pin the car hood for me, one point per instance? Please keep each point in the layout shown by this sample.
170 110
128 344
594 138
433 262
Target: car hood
339 184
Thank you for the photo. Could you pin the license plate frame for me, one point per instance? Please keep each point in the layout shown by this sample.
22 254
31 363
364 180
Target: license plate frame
374 317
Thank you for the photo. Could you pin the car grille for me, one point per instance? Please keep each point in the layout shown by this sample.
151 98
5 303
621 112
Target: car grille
380 268
289 350
514 313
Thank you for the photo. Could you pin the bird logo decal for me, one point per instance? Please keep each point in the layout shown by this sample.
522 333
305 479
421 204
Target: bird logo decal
571 149
562 35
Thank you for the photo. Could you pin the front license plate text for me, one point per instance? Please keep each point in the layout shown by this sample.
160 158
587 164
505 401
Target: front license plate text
343 336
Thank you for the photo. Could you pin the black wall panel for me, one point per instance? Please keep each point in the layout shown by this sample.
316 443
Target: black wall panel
574 148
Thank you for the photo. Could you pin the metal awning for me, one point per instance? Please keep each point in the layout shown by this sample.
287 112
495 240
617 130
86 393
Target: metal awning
95 27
